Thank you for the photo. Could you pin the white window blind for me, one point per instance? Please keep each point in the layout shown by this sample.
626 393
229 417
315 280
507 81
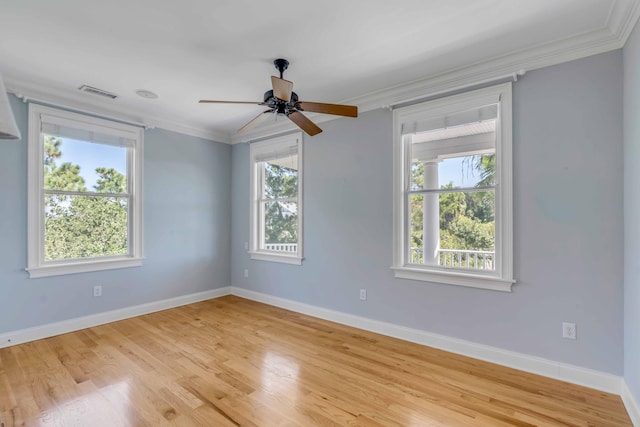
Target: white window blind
82 131
486 109
268 153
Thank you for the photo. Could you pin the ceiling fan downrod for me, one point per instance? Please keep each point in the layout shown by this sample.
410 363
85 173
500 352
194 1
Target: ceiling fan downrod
281 65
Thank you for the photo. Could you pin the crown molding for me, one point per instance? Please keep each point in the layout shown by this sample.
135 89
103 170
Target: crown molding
537 57
618 26
29 91
620 21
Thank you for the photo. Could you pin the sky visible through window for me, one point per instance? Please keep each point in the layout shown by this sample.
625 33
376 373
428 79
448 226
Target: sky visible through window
90 156
459 171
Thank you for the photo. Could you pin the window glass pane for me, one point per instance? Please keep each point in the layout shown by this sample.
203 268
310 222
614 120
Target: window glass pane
417 176
467 221
454 172
453 229
416 232
281 178
467 171
280 226
85 226
457 156
72 165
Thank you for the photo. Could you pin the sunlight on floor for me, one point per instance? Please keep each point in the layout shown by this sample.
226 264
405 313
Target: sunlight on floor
109 406
279 380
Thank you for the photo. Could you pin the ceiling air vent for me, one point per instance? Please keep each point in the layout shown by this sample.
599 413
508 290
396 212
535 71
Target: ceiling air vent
96 91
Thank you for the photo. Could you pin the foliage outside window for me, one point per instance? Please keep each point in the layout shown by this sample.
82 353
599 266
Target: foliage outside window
85 186
276 188
466 215
452 190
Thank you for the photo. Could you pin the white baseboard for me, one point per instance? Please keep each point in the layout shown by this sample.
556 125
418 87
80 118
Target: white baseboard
549 368
632 405
536 365
53 329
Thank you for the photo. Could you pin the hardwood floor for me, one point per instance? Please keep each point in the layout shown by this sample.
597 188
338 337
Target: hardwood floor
234 362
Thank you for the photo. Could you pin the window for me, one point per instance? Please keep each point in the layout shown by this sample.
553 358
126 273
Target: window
453 190
85 193
276 199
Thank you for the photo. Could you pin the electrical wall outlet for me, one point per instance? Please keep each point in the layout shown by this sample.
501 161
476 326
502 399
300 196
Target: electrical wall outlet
363 294
246 272
569 331
97 291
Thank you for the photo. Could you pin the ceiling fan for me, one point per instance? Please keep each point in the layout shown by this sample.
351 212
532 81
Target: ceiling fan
282 100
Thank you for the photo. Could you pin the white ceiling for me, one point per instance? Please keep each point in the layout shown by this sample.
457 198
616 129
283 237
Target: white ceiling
367 52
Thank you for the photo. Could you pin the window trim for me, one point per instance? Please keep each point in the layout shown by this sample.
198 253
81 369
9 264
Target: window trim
502 278
36 265
256 149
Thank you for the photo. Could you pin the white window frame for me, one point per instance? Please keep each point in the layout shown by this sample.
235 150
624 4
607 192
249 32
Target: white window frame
258 149
36 264
502 278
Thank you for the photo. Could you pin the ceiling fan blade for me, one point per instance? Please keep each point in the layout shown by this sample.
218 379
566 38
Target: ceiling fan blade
281 88
304 123
336 109
255 121
210 101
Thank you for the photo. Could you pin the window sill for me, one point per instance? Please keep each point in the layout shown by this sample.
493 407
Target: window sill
82 267
455 278
273 257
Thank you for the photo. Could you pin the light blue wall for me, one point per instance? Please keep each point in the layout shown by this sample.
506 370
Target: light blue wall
187 233
568 226
568 163
632 212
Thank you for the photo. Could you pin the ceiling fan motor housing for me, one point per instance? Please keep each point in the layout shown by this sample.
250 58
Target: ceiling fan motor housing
280 106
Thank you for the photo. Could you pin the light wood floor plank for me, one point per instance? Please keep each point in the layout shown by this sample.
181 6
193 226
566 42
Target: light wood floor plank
233 362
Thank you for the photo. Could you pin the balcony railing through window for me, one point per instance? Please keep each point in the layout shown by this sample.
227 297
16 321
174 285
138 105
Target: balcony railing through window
456 258
281 247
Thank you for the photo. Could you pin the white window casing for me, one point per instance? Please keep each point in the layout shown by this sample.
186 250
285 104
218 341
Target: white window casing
428 116
286 146
66 124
